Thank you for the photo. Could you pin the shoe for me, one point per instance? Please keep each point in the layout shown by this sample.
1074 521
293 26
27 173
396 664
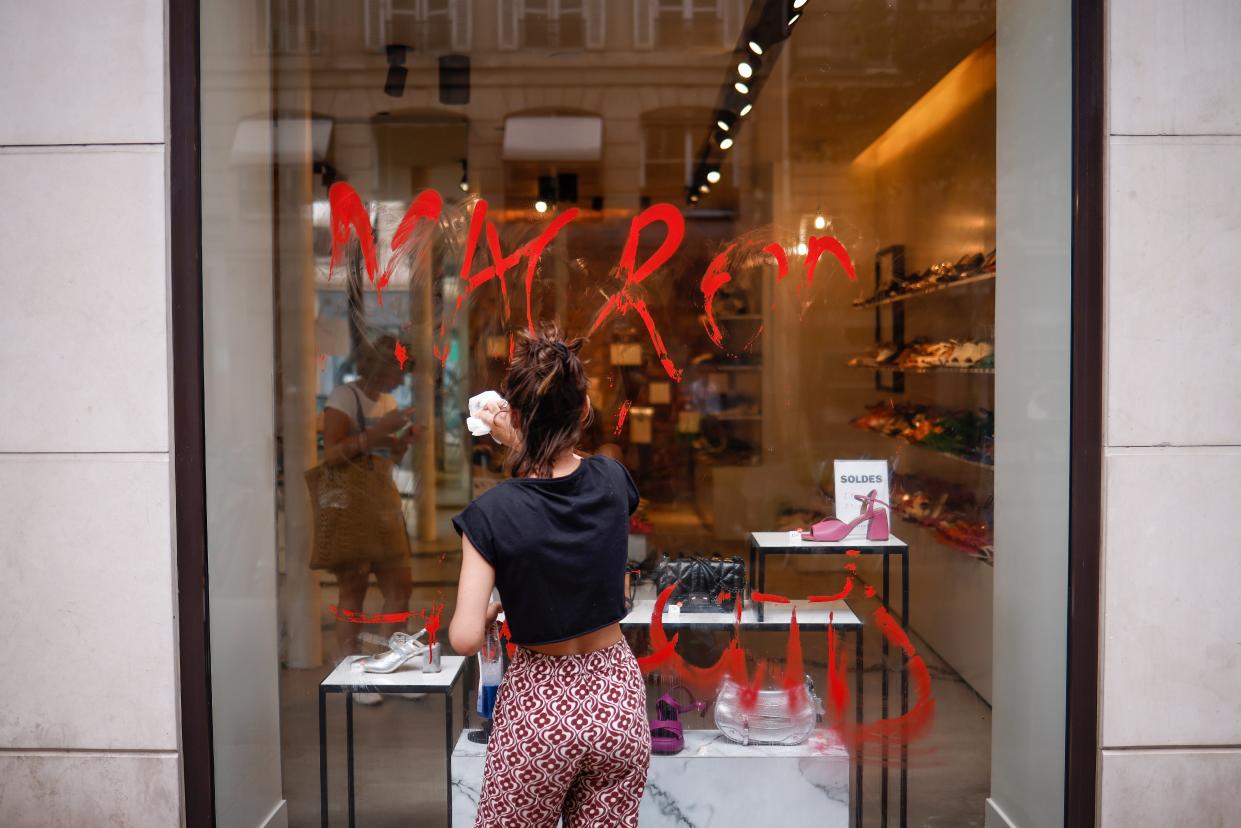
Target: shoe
834 529
667 732
402 647
368 699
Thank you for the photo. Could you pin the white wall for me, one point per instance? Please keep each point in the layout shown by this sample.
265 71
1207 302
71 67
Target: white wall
88 721
1171 649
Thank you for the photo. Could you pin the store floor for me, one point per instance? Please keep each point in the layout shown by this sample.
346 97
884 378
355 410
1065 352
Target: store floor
400 770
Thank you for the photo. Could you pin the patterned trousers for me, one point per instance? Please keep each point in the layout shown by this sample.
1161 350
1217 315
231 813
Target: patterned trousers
570 739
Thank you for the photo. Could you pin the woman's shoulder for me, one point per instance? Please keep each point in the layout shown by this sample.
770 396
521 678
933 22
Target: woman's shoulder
343 397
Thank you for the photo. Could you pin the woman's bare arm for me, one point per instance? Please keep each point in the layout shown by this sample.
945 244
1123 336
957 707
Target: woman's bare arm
475 610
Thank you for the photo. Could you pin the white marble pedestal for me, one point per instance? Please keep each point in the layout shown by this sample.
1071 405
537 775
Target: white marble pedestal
713 782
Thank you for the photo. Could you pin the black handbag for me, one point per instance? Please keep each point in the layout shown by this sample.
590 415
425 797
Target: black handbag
702 584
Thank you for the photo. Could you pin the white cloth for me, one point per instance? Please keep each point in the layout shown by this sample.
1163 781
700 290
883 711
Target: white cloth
476 426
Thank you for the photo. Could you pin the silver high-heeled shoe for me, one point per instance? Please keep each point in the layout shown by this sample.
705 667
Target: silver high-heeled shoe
402 648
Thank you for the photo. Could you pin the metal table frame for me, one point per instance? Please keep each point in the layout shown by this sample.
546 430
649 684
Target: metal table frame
456 664
770 543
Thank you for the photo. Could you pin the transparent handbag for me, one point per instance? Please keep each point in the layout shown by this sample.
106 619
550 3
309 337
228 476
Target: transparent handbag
772 720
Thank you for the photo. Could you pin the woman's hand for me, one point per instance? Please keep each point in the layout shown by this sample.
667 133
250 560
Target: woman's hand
498 417
493 610
392 421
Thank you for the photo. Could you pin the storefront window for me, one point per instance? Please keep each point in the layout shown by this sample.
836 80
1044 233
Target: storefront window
775 222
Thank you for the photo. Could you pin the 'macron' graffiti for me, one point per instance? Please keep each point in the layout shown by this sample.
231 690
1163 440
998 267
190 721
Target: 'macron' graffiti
350 220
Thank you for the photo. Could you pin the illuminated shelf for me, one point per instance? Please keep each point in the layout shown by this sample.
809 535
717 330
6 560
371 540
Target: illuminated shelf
934 369
874 302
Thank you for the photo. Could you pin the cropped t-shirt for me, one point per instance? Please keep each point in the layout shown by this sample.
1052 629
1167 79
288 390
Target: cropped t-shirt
559 548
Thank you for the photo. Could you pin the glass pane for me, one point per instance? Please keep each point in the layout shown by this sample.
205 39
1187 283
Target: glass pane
806 371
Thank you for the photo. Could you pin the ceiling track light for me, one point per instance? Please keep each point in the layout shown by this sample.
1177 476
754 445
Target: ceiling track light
540 206
713 176
703 188
726 143
745 110
755 48
742 88
745 70
793 19
723 125
797 4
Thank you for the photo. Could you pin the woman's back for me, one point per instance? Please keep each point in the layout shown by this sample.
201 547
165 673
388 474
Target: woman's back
559 548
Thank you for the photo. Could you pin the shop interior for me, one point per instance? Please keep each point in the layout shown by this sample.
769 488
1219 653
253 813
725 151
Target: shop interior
873 124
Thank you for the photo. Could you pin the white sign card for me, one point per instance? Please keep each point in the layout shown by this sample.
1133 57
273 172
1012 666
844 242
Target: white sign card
858 478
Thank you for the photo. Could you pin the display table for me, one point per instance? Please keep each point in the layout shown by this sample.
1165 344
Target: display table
763 544
344 679
773 617
713 782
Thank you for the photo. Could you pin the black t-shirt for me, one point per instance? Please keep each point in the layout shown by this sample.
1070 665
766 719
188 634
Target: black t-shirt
559 548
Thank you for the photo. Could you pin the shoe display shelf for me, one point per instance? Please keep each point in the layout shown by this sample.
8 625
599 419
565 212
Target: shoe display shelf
876 301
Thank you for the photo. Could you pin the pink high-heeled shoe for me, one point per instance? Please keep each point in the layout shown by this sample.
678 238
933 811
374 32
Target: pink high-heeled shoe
835 529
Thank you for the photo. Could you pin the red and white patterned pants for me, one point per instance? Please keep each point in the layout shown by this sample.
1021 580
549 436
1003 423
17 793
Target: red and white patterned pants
570 738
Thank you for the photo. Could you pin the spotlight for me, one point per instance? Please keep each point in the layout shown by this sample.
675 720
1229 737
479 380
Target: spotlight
793 20
465 176
745 70
722 125
465 186
755 48
745 110
540 206
802 249
703 188
742 88
713 176
693 199
726 143
797 4
819 222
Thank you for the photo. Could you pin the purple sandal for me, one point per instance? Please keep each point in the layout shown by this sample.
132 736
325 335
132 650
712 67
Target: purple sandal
667 732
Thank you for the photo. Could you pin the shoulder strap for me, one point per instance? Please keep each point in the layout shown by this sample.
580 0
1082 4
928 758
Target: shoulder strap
357 396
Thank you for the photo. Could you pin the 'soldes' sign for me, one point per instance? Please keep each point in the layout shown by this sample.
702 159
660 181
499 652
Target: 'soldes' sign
350 219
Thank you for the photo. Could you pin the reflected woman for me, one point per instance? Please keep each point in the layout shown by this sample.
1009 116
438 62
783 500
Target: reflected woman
361 422
570 737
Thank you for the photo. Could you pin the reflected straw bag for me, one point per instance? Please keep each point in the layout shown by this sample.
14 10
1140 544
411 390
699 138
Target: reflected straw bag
357 511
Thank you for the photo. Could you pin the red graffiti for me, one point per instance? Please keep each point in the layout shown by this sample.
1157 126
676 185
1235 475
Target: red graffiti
620 417
426 207
765 597
349 215
901 729
350 218
623 300
402 356
839 596
714 279
782 260
534 249
827 244
704 681
355 617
